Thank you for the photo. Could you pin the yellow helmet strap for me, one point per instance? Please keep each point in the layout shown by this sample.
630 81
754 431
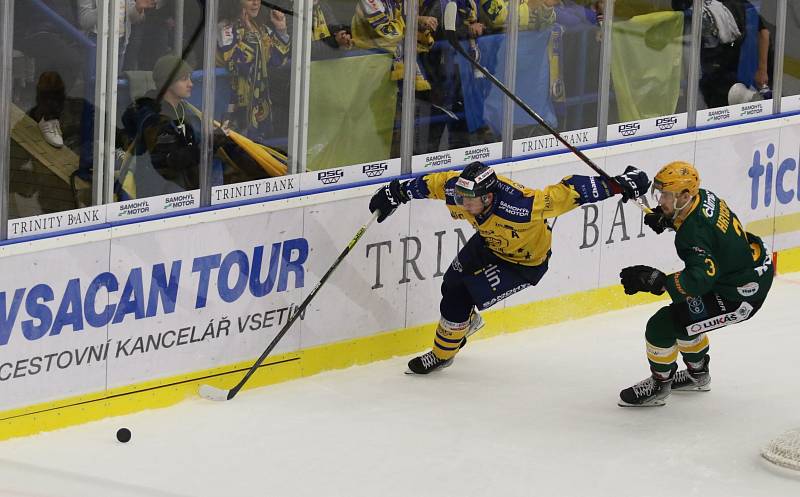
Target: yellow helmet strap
677 210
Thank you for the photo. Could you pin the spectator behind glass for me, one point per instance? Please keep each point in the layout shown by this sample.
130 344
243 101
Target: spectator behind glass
326 31
130 13
251 48
579 12
153 37
54 54
441 108
50 98
168 131
724 30
533 14
541 14
380 24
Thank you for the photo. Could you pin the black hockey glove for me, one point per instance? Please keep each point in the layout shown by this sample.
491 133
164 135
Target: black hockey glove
633 183
387 198
657 221
642 279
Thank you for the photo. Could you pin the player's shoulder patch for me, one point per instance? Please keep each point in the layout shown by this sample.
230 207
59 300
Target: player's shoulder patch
450 190
515 208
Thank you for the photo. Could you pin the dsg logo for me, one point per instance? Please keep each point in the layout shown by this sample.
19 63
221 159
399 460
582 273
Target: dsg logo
374 170
629 129
330 177
666 123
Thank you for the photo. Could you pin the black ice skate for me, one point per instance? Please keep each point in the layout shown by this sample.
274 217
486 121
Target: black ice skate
690 380
427 363
647 393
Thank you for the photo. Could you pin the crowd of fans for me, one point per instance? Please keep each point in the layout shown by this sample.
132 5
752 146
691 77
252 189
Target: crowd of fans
158 135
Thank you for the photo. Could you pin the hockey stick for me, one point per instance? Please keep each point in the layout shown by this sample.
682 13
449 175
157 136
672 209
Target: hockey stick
214 393
277 7
450 12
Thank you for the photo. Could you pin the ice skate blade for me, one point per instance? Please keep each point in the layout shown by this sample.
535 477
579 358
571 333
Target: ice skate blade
705 388
654 403
445 365
476 326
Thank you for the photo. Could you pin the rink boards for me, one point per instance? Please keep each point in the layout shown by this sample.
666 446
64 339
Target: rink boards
131 317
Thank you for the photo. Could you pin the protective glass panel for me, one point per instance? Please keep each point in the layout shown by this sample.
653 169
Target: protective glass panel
649 66
355 90
791 60
52 110
459 112
736 60
159 107
253 95
558 70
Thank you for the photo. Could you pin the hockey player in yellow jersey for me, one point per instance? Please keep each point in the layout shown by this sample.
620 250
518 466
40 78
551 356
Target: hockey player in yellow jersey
511 247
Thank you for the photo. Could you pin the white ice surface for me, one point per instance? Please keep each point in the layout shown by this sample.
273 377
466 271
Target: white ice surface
528 414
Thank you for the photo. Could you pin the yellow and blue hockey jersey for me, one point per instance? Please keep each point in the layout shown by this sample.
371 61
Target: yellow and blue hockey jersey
515 226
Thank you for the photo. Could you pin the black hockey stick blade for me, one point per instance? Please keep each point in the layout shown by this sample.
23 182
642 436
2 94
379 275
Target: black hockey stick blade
277 7
213 393
450 14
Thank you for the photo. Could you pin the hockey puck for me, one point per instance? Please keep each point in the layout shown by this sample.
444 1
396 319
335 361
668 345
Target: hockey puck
123 435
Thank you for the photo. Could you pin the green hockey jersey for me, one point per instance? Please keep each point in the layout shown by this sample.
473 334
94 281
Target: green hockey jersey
719 255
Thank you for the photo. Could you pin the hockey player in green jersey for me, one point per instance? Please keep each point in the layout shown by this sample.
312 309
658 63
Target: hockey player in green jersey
510 249
727 275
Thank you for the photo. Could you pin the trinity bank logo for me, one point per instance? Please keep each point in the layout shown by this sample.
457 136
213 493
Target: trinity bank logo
629 129
374 170
330 177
